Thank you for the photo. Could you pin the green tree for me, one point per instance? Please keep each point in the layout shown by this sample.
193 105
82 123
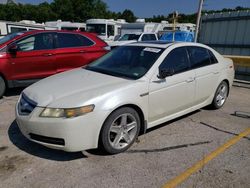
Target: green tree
128 15
64 9
86 9
45 13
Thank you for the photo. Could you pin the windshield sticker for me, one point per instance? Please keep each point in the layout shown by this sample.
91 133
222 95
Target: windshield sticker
155 50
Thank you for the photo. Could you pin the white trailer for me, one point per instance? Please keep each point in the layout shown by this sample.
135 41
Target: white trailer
106 29
66 25
7 27
140 26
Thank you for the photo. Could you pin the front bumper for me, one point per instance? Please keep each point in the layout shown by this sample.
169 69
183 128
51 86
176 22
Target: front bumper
73 134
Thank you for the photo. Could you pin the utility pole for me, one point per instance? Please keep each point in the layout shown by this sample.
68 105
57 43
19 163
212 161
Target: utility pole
175 19
198 20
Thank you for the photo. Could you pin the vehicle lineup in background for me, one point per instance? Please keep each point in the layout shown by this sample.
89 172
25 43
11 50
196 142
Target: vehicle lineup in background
109 102
26 57
133 37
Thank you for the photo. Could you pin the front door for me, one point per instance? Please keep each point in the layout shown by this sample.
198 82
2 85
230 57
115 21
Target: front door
34 59
175 93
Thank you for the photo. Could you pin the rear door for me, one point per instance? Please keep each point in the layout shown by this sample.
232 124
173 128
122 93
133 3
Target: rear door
35 57
207 72
75 50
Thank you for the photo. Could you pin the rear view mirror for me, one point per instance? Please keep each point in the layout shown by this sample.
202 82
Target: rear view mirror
163 73
13 48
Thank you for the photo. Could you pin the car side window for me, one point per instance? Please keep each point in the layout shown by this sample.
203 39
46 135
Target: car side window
152 37
111 30
145 37
41 41
67 40
199 57
213 59
176 60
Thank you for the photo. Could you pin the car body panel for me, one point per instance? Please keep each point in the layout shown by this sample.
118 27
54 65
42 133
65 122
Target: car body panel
176 93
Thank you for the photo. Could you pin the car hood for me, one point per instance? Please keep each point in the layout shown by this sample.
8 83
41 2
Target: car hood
73 88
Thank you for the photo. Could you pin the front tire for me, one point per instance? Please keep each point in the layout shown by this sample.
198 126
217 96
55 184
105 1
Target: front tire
2 87
220 96
120 130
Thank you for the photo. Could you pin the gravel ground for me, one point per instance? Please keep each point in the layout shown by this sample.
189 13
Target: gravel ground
158 156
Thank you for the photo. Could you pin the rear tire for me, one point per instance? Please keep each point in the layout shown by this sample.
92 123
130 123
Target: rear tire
2 87
120 130
220 95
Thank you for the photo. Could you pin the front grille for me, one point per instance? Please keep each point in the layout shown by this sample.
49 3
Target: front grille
26 105
49 140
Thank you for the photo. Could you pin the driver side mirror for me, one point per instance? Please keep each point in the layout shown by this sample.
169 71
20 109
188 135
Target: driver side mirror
13 49
163 73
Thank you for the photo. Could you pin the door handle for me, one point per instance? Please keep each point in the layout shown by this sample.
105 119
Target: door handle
190 80
216 72
82 51
47 54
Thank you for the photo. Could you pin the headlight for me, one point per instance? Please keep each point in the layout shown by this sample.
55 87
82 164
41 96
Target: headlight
66 113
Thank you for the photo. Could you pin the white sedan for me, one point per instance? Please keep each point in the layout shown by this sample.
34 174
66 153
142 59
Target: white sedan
111 101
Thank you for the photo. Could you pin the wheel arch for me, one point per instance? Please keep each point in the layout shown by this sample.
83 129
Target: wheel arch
141 115
228 85
143 126
4 78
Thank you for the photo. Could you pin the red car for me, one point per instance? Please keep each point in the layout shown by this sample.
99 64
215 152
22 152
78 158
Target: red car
26 57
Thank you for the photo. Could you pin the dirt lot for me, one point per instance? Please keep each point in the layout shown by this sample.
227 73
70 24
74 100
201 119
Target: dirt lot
160 155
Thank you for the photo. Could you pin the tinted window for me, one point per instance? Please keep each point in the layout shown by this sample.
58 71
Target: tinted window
176 60
17 29
66 40
213 59
199 56
9 37
41 41
129 37
111 30
69 28
152 37
100 29
147 37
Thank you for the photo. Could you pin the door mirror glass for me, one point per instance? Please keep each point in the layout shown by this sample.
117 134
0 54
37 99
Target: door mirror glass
13 48
163 73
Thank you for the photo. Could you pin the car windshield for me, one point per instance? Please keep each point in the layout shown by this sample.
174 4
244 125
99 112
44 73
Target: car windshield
99 29
9 37
129 37
130 62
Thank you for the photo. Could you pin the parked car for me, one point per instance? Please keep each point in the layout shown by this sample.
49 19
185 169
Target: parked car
28 56
125 92
133 37
178 36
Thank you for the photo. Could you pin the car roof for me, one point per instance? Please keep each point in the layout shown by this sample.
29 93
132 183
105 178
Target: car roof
165 44
45 31
27 33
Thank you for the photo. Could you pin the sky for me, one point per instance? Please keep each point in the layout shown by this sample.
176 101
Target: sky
148 8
